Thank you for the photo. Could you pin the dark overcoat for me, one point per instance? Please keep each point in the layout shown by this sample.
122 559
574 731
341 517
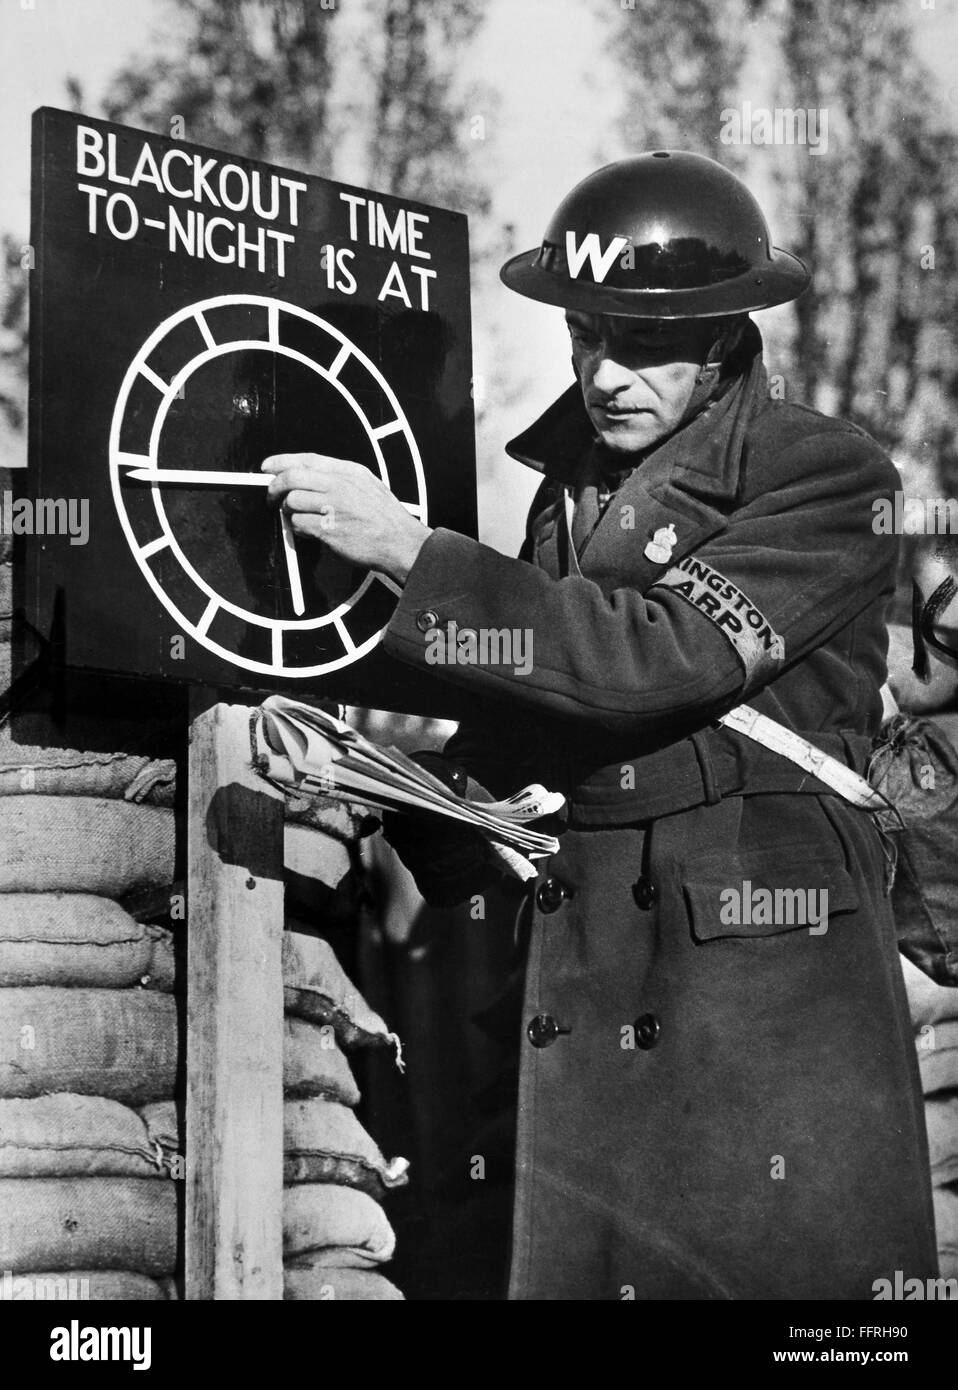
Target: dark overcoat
712 1105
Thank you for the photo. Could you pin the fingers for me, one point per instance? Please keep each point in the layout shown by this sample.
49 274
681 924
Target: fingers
295 471
277 463
317 526
316 473
306 499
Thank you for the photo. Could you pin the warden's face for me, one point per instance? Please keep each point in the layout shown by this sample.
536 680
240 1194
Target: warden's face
636 376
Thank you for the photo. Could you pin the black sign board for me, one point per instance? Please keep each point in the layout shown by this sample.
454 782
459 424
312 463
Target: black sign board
193 312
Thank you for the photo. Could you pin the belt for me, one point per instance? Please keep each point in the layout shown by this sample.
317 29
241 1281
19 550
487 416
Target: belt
710 764
835 774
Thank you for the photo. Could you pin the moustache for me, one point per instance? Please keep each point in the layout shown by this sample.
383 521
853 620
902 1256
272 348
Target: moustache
614 406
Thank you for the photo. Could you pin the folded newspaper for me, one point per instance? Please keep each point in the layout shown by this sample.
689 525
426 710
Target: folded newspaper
313 752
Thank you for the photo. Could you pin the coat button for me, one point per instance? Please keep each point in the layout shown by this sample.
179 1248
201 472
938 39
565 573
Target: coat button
644 892
550 894
648 1029
543 1030
426 620
458 778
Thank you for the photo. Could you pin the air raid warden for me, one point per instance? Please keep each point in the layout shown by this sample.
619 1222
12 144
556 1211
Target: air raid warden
708 1108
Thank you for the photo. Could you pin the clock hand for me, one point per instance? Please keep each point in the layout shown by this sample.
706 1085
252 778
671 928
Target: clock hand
292 565
199 475
218 479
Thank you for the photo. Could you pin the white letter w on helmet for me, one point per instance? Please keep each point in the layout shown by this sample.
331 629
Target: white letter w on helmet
599 260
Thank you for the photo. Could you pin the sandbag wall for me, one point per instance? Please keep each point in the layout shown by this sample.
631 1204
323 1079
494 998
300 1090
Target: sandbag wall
92 1151
92 1046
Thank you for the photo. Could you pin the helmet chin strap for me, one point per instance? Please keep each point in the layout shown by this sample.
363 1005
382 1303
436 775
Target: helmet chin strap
724 343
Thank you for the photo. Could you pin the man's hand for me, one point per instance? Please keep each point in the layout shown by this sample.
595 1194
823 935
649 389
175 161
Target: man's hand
347 507
449 861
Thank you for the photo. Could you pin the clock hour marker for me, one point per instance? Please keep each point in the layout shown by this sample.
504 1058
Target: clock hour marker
393 427
277 646
154 380
389 584
209 613
152 547
339 361
272 322
344 636
204 328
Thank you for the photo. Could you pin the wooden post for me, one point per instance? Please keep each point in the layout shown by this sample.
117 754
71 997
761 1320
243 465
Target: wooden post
234 1094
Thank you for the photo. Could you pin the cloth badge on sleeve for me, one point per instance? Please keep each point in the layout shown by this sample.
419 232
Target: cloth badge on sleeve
731 610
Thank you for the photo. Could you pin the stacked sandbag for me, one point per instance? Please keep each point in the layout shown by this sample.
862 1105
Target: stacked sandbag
934 1012
31 768
89 1026
79 940
335 1232
84 844
336 1235
316 988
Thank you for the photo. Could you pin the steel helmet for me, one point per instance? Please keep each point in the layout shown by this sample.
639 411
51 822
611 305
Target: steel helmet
669 235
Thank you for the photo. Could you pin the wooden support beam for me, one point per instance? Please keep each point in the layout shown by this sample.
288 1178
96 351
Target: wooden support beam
234 1094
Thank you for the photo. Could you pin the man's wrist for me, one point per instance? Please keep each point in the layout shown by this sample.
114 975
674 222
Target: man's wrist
406 551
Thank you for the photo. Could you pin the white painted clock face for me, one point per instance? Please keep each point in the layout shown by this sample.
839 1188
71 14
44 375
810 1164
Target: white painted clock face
284 643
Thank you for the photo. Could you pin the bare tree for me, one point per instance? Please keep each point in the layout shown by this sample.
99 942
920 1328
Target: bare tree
13 335
874 211
419 133
257 78
248 77
680 64
876 332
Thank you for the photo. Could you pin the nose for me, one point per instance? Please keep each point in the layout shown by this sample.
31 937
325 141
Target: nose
611 375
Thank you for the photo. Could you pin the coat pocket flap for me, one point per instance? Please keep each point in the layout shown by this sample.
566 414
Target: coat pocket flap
766 899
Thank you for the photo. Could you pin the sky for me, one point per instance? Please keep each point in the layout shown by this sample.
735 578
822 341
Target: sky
544 59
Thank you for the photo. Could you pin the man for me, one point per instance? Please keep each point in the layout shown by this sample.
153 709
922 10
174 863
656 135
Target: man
719 1094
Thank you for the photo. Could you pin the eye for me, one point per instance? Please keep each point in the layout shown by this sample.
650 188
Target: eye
650 347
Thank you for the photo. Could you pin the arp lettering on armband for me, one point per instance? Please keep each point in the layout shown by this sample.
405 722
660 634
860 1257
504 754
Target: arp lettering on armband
732 612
